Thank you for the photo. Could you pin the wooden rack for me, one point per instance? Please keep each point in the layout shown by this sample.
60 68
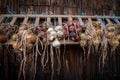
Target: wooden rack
60 20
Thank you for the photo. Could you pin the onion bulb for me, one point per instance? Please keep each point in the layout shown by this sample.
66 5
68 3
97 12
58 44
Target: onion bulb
20 32
31 38
110 35
71 28
114 43
3 38
83 43
70 22
98 32
15 45
29 46
111 28
14 37
82 35
96 42
118 37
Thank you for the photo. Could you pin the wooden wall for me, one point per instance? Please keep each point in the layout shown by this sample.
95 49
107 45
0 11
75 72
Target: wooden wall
91 7
75 65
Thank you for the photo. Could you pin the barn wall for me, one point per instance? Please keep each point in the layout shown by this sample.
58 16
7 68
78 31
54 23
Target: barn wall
71 6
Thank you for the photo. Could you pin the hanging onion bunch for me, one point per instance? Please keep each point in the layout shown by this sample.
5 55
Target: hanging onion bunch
112 35
6 31
72 30
41 31
25 38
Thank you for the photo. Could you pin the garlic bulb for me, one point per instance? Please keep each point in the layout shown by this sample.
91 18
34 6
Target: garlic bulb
53 33
57 28
56 43
49 30
60 33
51 38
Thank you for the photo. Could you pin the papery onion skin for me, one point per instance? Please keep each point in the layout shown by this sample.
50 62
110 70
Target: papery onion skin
20 32
110 35
15 45
96 42
111 28
14 37
31 38
114 43
83 43
3 38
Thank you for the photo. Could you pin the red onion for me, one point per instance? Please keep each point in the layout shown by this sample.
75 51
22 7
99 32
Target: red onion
71 28
38 28
72 34
70 23
79 29
43 28
44 40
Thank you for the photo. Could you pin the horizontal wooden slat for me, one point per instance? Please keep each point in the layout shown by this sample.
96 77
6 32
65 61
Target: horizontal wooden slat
62 16
66 42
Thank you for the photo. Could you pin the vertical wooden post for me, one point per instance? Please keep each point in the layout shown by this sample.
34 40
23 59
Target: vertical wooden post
70 11
81 22
13 21
1 19
37 21
59 21
25 20
108 20
48 19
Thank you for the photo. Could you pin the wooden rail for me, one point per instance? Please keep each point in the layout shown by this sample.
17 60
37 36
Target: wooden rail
59 17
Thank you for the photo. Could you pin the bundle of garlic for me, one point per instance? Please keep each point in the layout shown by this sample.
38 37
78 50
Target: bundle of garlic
55 34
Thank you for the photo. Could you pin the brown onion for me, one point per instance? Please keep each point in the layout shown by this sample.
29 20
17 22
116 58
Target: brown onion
20 33
114 43
14 37
110 35
96 42
118 37
3 38
111 28
15 45
31 38
98 32
83 43
82 35
29 45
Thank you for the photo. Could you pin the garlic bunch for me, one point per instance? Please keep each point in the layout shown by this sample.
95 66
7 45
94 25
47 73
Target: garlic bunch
54 34
56 43
60 32
51 34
